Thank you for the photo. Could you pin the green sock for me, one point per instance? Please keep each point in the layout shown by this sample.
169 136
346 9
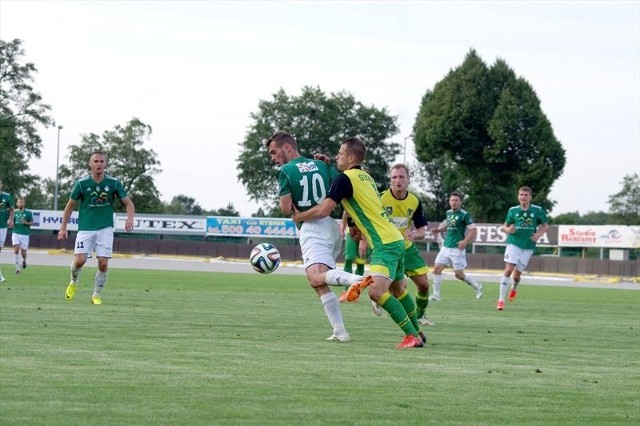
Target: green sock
398 314
359 268
409 306
348 265
422 300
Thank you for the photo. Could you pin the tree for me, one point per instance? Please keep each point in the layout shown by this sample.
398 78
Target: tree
319 122
184 205
127 160
624 206
484 127
230 210
21 112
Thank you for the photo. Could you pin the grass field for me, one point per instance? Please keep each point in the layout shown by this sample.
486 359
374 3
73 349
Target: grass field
187 348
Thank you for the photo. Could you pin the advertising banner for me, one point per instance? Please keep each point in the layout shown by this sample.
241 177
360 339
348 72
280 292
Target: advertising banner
51 220
162 224
616 236
251 227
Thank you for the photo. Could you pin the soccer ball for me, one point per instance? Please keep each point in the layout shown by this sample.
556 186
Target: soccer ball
265 258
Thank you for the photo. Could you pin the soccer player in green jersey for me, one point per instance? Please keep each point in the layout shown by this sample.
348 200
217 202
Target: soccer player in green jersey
524 225
303 184
22 221
356 190
6 219
96 194
459 231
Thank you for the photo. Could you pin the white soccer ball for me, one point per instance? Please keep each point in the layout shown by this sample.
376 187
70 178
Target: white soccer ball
265 258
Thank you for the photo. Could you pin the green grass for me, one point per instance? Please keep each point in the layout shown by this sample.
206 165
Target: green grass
187 348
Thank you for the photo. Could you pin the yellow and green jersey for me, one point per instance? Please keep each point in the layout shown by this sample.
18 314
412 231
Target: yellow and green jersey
357 193
6 204
96 201
404 212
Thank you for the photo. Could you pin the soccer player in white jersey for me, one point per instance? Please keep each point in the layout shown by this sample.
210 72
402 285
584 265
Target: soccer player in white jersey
303 184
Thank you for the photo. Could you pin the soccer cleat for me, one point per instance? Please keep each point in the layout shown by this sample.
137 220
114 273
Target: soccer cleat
422 337
425 321
17 271
479 292
71 291
434 297
95 300
2 279
24 264
410 341
376 309
500 305
353 294
512 294
339 337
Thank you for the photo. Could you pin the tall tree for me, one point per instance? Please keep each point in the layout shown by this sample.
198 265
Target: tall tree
625 205
485 126
319 122
127 160
184 205
21 112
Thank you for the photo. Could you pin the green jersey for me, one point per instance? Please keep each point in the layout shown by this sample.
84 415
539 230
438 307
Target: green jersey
526 222
457 222
6 204
20 216
306 180
96 201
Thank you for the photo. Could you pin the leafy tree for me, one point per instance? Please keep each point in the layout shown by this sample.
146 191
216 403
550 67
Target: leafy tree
319 122
21 112
483 127
230 210
127 160
184 205
624 206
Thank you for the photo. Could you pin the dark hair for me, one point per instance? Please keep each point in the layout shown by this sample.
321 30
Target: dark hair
526 189
355 147
457 194
280 138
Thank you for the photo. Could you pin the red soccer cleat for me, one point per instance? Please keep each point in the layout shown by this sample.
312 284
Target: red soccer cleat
512 294
409 342
500 305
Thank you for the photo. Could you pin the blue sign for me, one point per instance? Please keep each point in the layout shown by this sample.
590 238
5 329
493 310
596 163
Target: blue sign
251 227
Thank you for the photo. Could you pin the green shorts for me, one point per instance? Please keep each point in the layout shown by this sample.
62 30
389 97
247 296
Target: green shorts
414 264
351 250
388 260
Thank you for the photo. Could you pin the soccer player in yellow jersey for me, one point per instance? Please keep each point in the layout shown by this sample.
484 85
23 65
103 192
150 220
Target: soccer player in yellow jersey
356 190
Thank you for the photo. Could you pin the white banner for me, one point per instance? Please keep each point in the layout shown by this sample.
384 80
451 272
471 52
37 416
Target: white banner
163 224
51 220
617 236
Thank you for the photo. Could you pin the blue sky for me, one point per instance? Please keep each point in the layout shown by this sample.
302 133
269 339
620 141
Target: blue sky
195 71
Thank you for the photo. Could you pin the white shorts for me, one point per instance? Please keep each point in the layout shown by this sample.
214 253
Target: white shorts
101 241
452 257
20 240
517 256
3 236
321 242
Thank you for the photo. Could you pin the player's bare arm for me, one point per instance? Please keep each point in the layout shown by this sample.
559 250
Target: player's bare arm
131 209
472 231
541 230
66 215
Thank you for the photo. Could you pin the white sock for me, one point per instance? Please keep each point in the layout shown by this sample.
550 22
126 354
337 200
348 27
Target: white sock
437 283
473 283
332 310
340 277
504 286
18 261
75 273
101 279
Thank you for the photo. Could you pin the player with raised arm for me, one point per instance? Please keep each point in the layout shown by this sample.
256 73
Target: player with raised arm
303 184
